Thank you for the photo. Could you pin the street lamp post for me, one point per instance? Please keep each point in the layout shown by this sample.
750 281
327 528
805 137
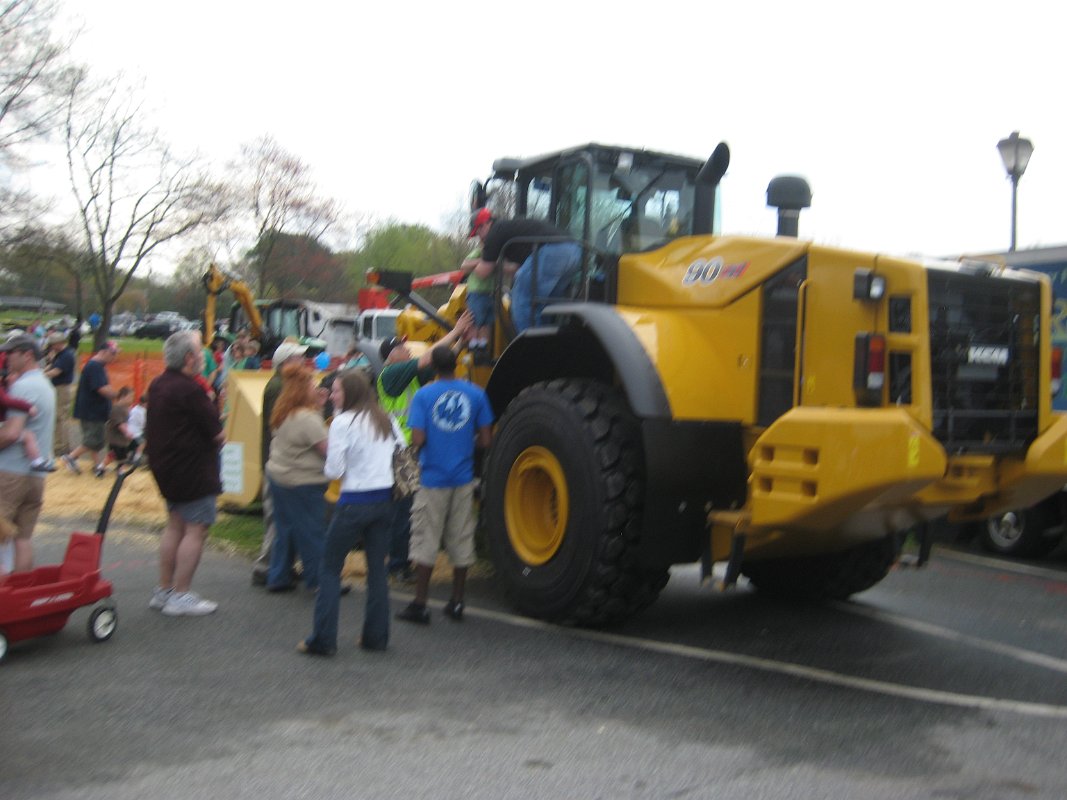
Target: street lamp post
1015 152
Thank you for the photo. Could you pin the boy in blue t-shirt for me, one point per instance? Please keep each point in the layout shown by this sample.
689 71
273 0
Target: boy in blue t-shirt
448 419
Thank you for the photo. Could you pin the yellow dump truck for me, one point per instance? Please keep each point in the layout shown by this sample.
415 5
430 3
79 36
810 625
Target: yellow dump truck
785 408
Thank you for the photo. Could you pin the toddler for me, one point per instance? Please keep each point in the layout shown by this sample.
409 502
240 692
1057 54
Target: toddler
38 463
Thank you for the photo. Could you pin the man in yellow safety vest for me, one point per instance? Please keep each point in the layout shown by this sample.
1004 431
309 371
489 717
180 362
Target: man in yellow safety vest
400 378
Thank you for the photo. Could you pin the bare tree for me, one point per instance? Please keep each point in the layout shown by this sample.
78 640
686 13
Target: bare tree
281 198
30 66
133 194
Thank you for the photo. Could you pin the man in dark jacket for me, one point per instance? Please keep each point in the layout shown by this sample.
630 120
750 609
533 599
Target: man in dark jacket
183 435
62 361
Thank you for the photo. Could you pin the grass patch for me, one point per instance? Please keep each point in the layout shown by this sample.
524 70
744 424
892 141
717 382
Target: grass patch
131 344
242 533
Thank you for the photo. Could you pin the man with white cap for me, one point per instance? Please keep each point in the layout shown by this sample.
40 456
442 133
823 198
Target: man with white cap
288 350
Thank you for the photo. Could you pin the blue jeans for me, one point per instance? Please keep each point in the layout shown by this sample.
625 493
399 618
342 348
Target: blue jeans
400 534
300 529
557 266
480 304
350 525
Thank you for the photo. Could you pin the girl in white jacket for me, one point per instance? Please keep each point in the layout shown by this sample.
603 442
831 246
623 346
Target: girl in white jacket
359 452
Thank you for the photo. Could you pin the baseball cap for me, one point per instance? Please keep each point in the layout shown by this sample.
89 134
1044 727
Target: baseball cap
56 338
389 345
287 350
22 342
479 218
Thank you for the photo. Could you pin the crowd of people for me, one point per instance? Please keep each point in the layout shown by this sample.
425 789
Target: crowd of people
346 429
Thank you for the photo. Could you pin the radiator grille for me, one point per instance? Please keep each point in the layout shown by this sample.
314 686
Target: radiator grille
984 361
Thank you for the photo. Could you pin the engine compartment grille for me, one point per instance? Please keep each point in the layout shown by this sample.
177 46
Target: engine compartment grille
984 348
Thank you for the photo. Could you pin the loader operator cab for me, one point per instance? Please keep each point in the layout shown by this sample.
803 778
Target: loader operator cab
612 200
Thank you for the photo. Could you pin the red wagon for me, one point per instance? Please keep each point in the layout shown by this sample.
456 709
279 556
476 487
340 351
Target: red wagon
40 602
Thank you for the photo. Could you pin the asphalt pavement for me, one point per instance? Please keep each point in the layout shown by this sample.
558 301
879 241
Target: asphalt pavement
940 683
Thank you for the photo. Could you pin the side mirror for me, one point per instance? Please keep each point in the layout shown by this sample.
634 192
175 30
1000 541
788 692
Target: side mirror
478 195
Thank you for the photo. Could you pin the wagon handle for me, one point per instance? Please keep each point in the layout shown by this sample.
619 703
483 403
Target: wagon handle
124 471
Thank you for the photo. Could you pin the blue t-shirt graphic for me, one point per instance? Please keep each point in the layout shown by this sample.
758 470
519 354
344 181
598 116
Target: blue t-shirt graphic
450 413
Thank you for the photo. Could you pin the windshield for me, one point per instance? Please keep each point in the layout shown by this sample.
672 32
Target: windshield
641 207
616 200
386 326
283 321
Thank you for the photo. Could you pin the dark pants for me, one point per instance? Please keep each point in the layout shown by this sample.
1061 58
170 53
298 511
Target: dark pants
350 525
400 534
300 520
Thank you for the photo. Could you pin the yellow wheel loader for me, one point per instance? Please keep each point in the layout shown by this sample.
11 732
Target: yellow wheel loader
786 408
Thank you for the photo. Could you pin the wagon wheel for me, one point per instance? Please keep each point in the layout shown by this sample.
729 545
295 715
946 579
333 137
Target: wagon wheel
3 647
102 623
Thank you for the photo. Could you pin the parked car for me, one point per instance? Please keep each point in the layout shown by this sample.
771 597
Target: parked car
1025 533
123 324
160 327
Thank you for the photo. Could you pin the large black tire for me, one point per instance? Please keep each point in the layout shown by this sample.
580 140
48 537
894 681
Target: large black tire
835 576
562 495
1024 533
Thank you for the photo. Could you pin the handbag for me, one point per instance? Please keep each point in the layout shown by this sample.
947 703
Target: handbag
405 471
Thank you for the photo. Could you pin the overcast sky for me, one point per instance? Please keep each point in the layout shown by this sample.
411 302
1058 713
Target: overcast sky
892 111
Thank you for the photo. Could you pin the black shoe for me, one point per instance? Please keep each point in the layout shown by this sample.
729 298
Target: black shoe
281 587
345 589
420 615
312 650
454 609
259 578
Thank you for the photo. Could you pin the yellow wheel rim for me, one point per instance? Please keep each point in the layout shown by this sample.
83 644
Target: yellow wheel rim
536 505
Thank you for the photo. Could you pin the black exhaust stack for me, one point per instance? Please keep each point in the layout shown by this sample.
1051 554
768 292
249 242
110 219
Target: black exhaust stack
707 181
789 194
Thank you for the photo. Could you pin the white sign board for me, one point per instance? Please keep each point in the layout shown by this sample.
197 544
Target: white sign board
233 477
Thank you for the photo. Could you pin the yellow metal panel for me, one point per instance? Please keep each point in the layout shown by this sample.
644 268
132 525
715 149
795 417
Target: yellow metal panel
1019 483
814 468
703 271
706 359
244 402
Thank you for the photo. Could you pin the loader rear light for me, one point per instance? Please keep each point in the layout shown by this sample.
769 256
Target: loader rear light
867 286
1056 375
868 374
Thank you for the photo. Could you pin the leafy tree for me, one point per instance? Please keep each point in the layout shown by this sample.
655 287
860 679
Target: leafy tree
188 295
410 248
132 193
301 267
133 300
44 262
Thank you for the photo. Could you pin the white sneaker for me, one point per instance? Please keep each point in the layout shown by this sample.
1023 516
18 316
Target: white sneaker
188 604
160 596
